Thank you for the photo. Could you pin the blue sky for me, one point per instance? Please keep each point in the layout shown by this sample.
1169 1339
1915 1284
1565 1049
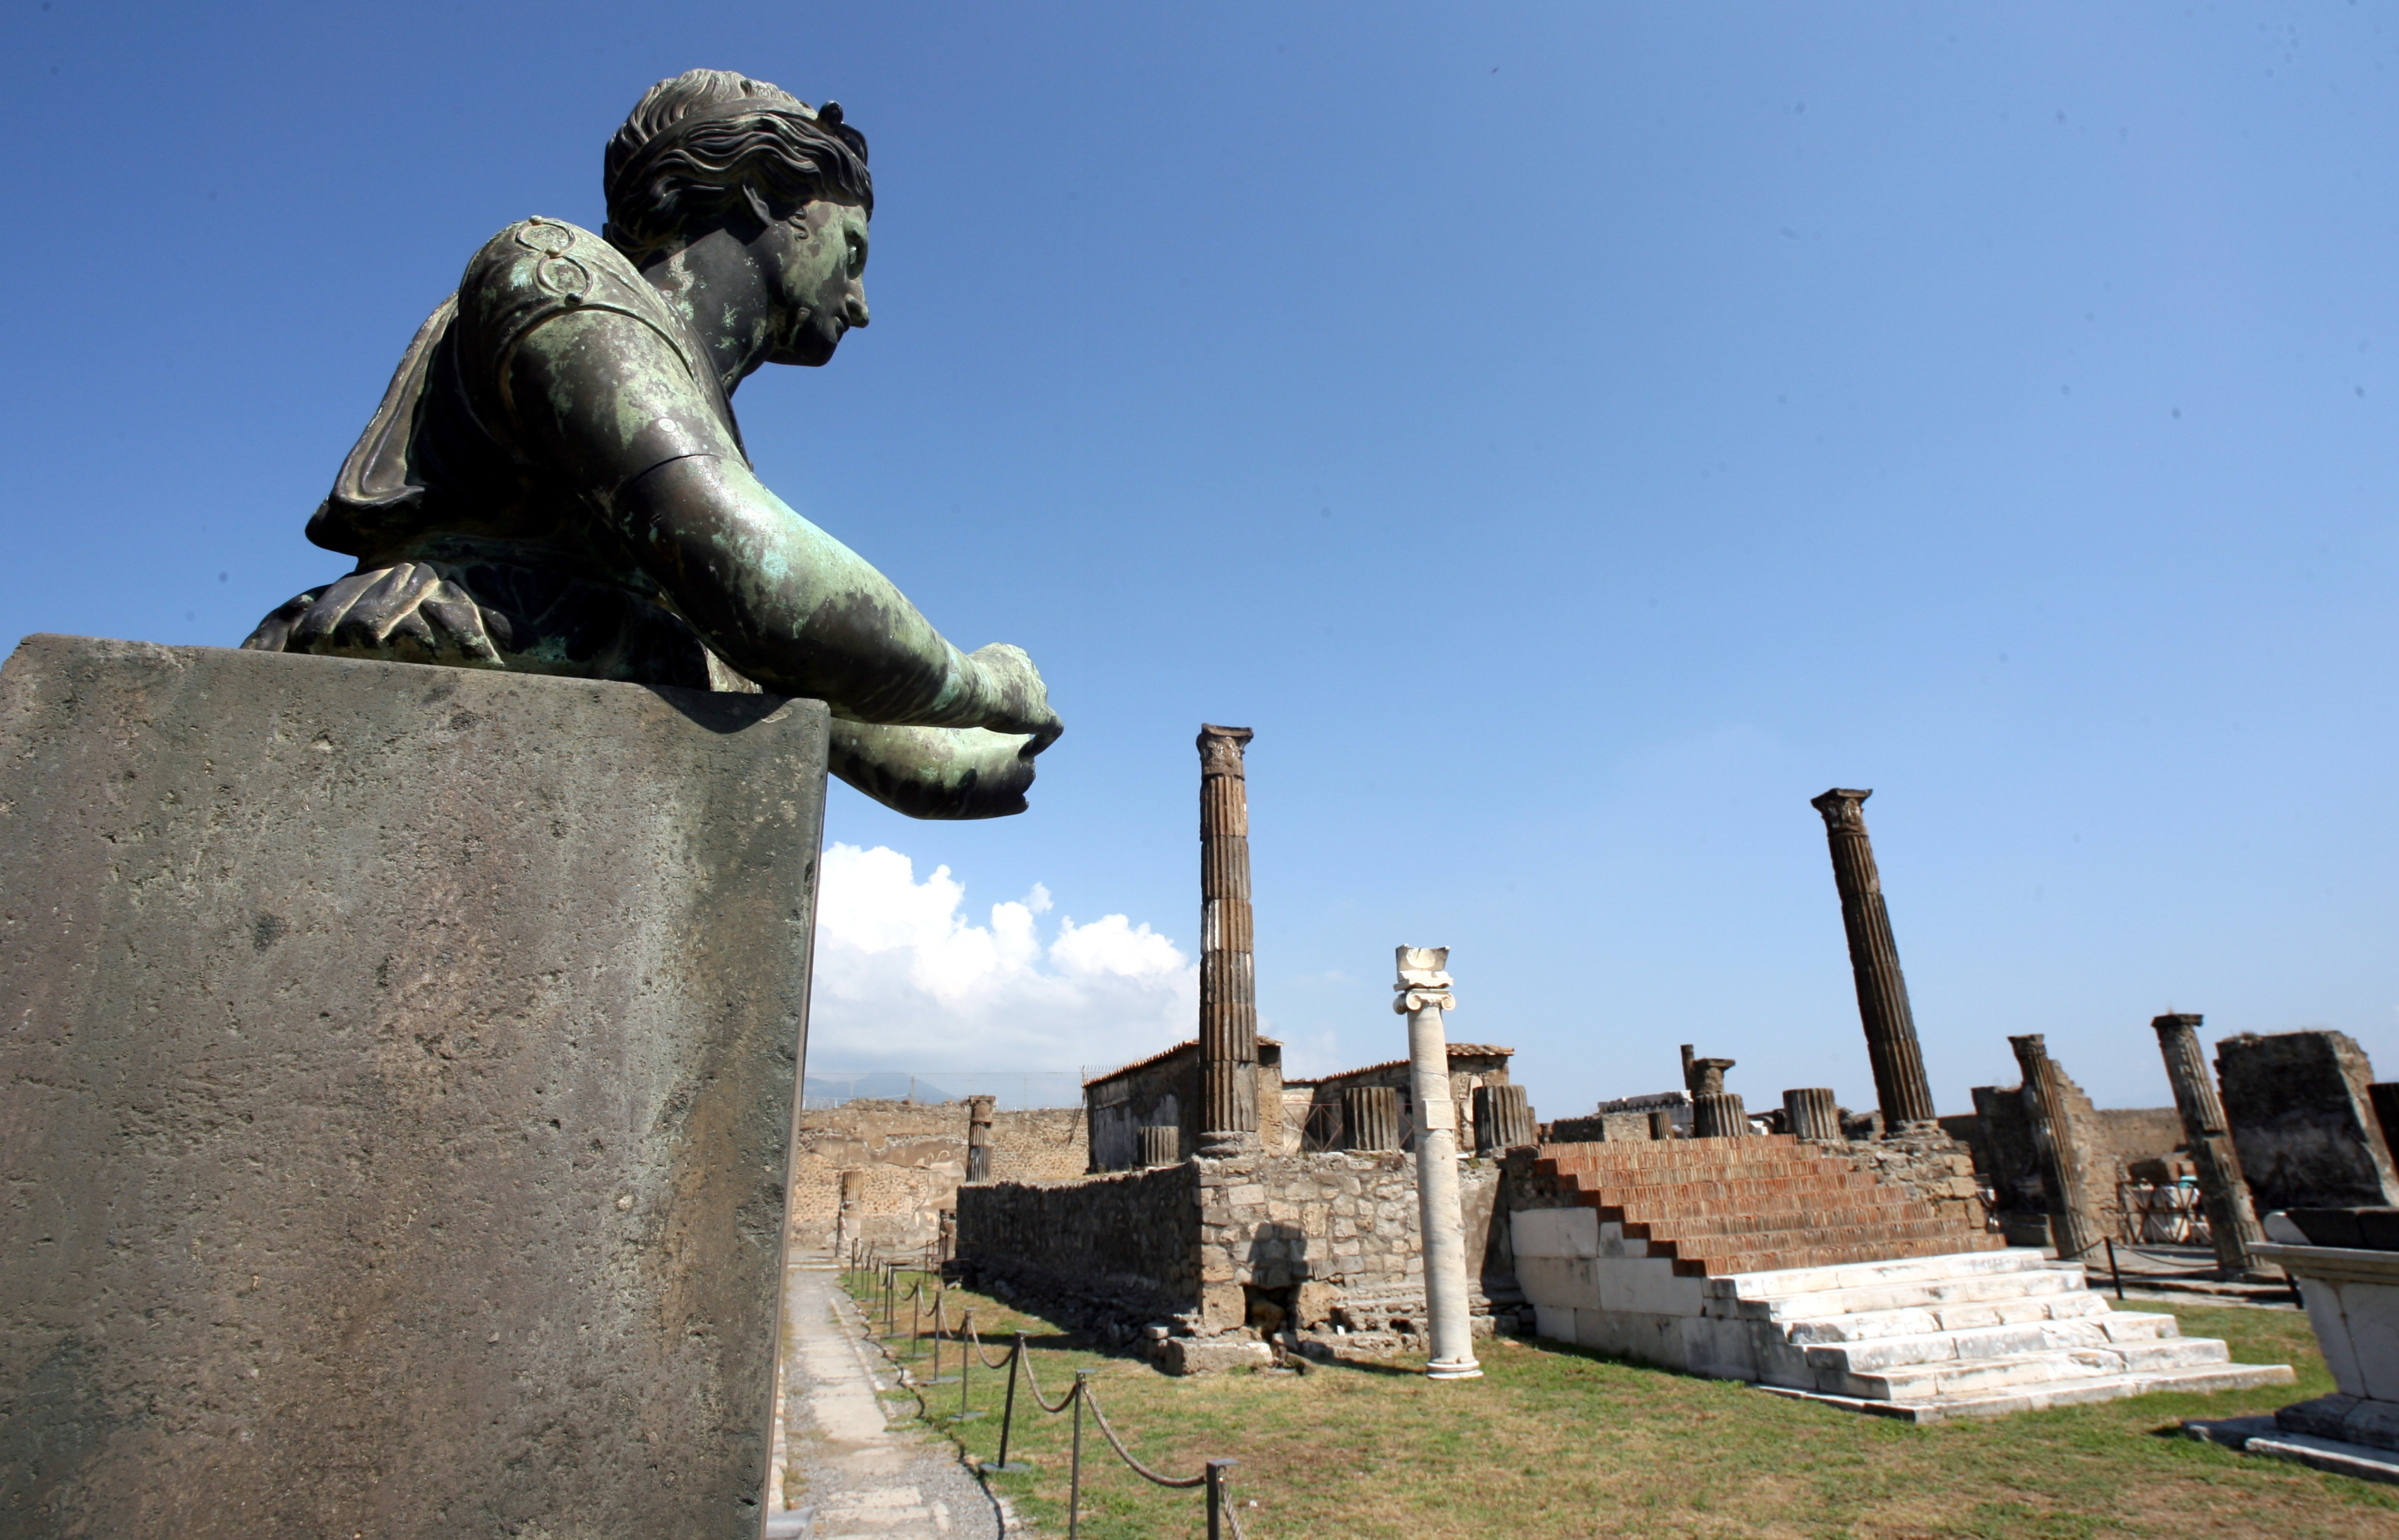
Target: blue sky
1571 436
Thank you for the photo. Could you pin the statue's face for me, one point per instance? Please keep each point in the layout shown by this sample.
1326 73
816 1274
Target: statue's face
818 257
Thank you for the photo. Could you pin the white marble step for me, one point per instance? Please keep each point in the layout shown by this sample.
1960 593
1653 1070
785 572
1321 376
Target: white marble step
1968 1376
1930 1293
2070 1392
1864 1275
2102 1330
2048 1304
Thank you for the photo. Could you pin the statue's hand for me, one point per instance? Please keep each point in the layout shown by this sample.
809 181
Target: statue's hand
1014 699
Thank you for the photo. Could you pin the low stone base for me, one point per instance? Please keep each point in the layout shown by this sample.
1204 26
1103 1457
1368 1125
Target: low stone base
2263 1436
2345 1419
1211 1355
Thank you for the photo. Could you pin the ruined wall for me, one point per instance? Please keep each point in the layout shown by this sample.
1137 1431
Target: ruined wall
2302 1121
1934 1166
1164 1091
2112 1140
1126 1243
914 1156
1470 1066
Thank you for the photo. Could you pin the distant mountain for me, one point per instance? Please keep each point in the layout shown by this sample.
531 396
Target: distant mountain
882 1085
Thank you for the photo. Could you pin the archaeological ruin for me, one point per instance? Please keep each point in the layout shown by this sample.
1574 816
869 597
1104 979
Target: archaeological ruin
1845 1257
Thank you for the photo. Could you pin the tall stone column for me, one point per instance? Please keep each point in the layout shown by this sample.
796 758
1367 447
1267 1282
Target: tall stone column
1906 1094
2232 1220
978 1138
1228 1000
1424 994
2073 1221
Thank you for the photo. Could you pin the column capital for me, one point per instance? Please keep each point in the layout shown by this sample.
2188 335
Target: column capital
1220 751
1424 979
1843 808
2173 1019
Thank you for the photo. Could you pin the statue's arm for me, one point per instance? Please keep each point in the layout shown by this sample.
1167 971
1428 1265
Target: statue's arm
610 405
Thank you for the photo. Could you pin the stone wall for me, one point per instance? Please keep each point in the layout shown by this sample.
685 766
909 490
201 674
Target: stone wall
1163 1090
1325 1242
1123 1245
1470 1066
1932 1165
2112 1141
914 1156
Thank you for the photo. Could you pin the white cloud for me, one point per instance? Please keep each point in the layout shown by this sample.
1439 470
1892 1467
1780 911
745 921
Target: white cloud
904 980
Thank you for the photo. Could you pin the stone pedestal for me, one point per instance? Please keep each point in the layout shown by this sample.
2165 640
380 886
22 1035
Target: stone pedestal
398 1083
2353 1300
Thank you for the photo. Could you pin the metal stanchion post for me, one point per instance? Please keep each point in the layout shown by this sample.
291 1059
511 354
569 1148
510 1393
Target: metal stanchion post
1074 1472
969 1350
1008 1411
2112 1269
1216 1469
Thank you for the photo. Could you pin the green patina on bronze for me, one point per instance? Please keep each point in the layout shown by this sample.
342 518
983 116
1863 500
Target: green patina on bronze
555 480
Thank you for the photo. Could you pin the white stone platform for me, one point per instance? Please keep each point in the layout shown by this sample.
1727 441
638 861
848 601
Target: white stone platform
1978 1333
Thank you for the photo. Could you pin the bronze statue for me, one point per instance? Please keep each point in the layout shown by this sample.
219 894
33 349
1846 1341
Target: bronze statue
555 481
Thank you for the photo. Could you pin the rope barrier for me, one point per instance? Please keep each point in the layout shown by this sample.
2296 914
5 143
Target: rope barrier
1224 1519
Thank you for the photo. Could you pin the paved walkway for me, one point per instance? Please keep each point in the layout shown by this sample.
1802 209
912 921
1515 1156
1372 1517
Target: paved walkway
847 1472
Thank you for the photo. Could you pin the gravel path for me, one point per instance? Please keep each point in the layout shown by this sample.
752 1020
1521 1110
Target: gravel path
848 1473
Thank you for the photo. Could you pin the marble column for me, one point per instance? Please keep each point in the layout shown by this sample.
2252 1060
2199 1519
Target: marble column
2074 1226
978 1138
2232 1218
1898 1063
1423 994
1228 1001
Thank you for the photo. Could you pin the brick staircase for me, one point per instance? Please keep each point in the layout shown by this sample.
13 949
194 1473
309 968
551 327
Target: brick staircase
1723 1206
1760 1260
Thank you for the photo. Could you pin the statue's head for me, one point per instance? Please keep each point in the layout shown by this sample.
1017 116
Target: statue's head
711 150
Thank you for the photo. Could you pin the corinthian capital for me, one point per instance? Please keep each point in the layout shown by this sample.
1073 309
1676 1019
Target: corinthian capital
1844 810
1220 751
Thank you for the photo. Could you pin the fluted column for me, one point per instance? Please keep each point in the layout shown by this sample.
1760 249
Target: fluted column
2232 1218
1370 1117
978 1138
2073 1222
1906 1094
1228 1001
1503 1118
1718 1115
1424 994
1813 1113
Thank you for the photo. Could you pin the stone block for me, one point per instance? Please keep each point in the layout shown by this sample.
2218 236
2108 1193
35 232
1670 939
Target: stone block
1223 1306
1553 1233
1211 1355
1567 1281
398 1090
2302 1121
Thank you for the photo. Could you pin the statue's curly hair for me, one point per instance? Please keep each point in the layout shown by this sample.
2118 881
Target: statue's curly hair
707 141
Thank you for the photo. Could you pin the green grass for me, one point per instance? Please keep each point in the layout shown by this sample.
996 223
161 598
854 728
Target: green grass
1555 1442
